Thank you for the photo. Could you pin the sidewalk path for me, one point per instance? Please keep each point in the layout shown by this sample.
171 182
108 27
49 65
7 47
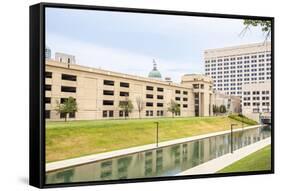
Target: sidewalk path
217 164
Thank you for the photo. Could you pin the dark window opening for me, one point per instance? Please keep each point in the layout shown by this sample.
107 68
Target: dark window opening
160 113
47 100
68 89
104 113
149 88
159 104
124 84
48 74
178 98
160 89
62 115
185 92
149 104
72 115
111 113
184 105
62 100
178 91
108 82
124 93
48 87
121 113
160 97
47 114
68 77
149 96
108 92
108 102
185 99
146 113
196 86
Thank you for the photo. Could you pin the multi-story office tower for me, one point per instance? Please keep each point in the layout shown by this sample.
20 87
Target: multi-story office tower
98 93
231 67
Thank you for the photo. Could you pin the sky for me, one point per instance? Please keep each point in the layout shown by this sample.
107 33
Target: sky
128 42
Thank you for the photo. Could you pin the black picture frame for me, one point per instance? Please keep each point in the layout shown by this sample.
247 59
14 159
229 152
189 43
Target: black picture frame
37 81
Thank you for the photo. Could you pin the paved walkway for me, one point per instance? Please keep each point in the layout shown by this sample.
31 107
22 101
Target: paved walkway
217 164
96 157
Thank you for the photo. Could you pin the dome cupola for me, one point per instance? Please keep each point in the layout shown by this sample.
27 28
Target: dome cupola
154 73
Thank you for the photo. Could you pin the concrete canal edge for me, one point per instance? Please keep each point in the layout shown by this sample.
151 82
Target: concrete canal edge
217 164
52 166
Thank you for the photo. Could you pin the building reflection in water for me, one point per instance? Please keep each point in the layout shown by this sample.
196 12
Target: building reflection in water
166 161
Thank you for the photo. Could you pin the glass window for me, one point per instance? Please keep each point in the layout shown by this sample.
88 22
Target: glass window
108 82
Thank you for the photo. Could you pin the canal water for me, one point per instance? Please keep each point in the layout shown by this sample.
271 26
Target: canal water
166 161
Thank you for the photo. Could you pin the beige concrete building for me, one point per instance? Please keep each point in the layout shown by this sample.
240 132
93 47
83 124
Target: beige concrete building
202 88
98 93
256 102
231 103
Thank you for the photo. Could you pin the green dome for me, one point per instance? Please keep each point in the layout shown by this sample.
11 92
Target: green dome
154 73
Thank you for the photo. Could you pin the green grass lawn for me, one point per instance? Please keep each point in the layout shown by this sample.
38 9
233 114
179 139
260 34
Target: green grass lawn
242 118
259 160
66 140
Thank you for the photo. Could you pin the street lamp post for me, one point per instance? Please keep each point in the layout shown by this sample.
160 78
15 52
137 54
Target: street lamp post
231 136
157 127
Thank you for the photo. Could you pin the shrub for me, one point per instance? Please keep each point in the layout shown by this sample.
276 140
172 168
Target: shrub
243 119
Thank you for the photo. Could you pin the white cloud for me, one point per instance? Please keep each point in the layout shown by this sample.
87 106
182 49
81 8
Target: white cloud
118 60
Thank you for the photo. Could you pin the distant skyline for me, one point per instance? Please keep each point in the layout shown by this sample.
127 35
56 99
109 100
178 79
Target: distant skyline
128 42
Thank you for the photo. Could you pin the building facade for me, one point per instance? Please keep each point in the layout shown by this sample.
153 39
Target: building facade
231 103
48 53
231 67
256 102
98 93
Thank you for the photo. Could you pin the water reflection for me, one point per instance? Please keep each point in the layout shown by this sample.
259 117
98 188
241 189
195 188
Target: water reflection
165 161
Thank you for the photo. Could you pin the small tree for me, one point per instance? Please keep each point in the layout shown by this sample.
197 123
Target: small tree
68 106
215 109
126 106
140 105
222 109
173 107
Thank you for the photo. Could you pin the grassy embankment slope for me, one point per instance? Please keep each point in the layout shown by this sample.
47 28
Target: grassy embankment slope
66 140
